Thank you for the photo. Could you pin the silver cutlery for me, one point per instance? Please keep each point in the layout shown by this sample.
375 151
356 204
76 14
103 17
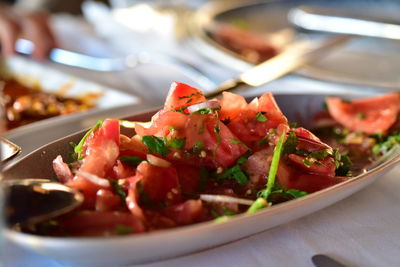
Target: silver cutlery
296 55
321 260
314 20
109 64
30 201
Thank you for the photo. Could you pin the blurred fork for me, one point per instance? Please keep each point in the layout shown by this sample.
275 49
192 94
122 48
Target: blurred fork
108 64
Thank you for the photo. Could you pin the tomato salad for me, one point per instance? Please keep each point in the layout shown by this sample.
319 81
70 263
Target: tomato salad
196 160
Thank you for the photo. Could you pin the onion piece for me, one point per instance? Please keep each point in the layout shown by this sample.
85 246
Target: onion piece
132 124
156 161
212 104
225 199
94 179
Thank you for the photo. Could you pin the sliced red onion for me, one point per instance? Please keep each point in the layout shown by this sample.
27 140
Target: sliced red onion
225 199
156 161
212 104
94 179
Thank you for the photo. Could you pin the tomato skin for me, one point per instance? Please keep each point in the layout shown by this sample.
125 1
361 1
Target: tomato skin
371 115
189 178
98 223
245 124
159 184
231 105
162 122
106 200
219 147
323 167
186 212
289 177
180 95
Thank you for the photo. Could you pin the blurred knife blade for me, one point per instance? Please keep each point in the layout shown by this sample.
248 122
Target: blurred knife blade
74 59
295 56
320 20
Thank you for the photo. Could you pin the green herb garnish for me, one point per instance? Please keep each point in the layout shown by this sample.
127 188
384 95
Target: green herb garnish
274 168
261 117
360 115
384 146
290 144
123 229
119 191
156 145
257 205
315 156
143 196
235 142
78 148
198 146
131 160
177 143
236 173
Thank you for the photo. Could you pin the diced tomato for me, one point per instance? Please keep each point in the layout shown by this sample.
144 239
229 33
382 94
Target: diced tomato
132 200
186 212
159 184
231 105
301 132
370 115
181 95
162 122
189 178
258 164
102 150
325 166
106 200
99 223
254 122
63 172
289 177
221 146
121 171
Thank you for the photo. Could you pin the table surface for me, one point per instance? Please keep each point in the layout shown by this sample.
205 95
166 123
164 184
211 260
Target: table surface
362 230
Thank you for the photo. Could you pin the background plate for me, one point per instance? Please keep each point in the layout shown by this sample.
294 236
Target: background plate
30 73
363 61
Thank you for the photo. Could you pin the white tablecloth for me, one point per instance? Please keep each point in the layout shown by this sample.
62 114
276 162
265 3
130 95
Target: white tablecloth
362 230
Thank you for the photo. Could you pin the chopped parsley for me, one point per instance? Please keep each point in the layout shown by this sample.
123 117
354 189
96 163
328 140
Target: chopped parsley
290 144
191 95
236 173
342 163
198 146
360 115
315 156
143 196
123 230
156 145
79 147
261 117
131 160
384 146
118 190
207 110
235 142
292 124
177 143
